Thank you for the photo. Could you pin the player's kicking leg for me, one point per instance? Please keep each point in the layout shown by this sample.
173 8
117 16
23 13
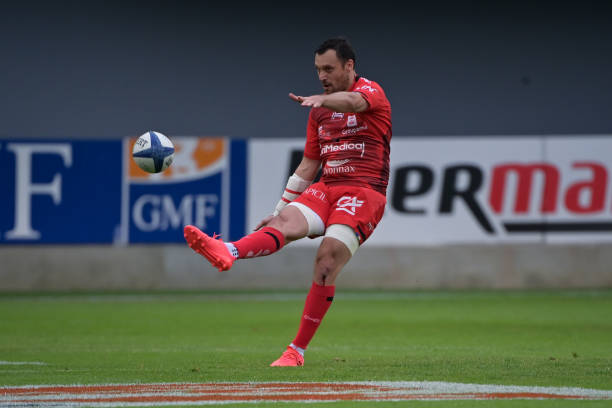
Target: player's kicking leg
339 244
289 225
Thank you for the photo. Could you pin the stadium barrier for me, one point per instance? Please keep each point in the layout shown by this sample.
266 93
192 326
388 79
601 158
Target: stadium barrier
175 267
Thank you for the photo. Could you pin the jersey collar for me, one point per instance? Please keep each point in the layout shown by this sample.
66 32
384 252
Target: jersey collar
357 78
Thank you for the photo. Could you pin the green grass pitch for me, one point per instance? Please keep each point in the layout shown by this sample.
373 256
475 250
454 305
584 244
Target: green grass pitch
556 338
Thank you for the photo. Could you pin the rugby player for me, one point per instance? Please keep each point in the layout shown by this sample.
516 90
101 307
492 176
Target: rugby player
347 137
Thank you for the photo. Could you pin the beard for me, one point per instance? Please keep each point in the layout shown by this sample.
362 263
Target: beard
343 84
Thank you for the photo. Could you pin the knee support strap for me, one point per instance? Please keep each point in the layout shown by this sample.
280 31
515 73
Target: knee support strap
344 234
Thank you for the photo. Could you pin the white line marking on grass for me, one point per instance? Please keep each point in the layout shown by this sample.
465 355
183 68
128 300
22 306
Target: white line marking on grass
22 363
139 395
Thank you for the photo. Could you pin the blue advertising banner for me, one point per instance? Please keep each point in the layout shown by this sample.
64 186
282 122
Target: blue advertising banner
66 191
60 191
205 183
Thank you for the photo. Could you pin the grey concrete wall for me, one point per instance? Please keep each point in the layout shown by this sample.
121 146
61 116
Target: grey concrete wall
48 268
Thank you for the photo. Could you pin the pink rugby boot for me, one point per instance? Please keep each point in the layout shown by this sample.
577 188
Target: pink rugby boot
289 358
210 248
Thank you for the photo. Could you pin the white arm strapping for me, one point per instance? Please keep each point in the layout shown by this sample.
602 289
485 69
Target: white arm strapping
295 186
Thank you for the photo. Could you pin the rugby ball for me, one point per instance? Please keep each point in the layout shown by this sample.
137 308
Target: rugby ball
153 152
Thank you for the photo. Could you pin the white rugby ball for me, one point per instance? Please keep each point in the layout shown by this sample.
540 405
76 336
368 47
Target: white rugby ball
153 152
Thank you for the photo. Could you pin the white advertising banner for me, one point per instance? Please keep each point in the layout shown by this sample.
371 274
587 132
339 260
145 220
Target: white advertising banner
452 190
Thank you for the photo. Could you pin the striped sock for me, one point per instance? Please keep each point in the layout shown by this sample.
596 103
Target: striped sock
260 243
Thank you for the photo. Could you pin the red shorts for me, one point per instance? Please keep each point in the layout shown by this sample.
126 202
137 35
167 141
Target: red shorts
360 208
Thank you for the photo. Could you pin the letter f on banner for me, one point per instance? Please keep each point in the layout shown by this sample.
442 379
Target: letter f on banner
25 189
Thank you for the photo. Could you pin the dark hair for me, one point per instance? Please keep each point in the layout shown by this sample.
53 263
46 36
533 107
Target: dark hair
344 49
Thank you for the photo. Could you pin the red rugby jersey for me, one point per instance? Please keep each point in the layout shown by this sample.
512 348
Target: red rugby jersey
353 147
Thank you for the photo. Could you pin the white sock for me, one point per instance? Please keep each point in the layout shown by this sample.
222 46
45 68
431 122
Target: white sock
232 249
298 349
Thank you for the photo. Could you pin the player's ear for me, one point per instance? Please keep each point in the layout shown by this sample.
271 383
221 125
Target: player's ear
349 65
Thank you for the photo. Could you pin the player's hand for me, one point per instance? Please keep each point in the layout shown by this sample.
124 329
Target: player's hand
264 222
315 101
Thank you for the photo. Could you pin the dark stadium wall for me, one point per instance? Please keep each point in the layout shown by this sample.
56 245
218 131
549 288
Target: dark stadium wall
111 69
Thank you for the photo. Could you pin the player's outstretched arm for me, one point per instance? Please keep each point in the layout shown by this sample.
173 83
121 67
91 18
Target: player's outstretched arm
337 101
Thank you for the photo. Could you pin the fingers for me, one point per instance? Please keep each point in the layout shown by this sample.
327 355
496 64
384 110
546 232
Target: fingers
314 101
263 222
296 98
303 100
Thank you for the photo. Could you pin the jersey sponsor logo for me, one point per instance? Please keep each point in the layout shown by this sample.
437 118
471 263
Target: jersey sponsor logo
351 121
322 133
354 130
366 88
337 116
348 204
346 146
327 171
336 163
315 193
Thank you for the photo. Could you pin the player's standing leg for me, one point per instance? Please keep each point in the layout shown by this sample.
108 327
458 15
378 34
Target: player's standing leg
354 214
332 255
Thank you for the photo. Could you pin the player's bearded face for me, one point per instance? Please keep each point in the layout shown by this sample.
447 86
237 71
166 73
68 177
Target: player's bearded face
333 74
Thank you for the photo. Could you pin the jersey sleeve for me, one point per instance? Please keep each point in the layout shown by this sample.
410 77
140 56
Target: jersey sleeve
312 150
372 93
